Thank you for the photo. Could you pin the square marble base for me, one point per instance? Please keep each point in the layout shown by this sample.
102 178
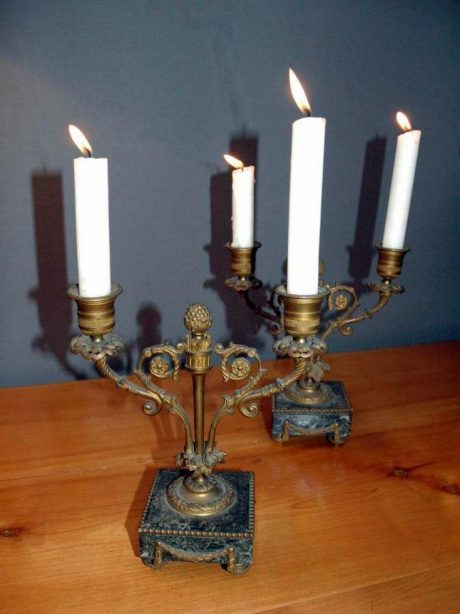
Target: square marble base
225 538
331 418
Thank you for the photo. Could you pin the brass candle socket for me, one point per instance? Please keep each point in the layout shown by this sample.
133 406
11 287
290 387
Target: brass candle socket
390 262
96 315
243 262
243 259
301 314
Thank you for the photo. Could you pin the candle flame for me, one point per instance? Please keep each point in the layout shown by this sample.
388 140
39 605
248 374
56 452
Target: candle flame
80 140
233 161
298 93
403 121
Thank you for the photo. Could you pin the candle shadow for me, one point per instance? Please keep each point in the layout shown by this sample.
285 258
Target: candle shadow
242 325
362 251
149 319
54 307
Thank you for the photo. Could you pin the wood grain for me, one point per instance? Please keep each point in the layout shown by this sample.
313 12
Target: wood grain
372 526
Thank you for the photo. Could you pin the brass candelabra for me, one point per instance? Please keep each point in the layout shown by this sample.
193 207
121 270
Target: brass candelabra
193 513
310 406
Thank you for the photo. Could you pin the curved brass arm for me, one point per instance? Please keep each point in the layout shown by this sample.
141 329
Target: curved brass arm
274 317
158 367
245 401
244 286
244 398
239 369
121 381
344 298
243 281
98 350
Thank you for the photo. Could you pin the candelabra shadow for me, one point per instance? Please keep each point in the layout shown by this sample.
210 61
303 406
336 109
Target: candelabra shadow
54 308
149 319
362 251
244 147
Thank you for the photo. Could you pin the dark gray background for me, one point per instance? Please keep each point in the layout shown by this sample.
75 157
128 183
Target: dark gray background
163 89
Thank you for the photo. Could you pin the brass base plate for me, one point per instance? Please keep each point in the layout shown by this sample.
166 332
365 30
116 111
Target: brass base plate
225 537
331 418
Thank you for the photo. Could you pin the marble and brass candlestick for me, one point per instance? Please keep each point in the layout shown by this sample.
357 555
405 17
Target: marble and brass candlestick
310 406
193 513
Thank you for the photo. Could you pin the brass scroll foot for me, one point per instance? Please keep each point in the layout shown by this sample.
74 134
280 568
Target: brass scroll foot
228 555
331 418
333 432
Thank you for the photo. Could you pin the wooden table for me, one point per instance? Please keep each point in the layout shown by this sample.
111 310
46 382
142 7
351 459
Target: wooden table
373 526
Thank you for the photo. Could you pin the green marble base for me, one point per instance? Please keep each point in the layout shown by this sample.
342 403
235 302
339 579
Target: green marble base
331 418
225 538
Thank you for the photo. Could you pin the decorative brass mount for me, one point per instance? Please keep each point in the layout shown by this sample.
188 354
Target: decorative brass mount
301 318
199 492
194 514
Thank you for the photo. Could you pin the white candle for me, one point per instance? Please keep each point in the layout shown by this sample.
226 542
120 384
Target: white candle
92 220
402 183
307 155
242 203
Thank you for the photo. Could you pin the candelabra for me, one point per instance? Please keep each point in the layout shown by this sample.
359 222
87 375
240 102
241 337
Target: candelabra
310 406
192 513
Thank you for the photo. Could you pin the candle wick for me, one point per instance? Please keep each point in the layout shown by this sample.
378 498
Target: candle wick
88 152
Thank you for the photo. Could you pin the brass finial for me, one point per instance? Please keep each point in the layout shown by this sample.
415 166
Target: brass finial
197 319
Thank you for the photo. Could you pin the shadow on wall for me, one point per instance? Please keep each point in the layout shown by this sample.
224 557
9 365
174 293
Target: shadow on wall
148 319
54 307
243 326
362 251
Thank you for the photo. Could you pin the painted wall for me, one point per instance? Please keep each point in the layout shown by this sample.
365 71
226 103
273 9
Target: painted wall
163 89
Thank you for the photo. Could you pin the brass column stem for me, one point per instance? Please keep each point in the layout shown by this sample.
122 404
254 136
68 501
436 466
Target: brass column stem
198 411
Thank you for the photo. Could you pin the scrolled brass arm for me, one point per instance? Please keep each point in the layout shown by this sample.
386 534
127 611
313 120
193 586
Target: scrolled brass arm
157 366
344 298
155 402
101 348
236 363
274 316
341 298
245 399
243 281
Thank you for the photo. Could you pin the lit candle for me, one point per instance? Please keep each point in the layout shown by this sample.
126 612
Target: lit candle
92 219
307 154
242 203
402 183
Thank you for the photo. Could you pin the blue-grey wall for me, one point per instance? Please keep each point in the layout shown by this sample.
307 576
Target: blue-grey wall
162 88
